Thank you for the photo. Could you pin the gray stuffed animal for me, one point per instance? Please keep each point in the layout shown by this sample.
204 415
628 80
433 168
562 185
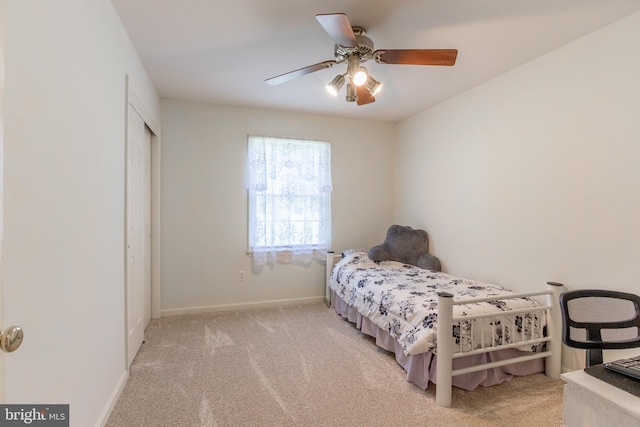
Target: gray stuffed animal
406 245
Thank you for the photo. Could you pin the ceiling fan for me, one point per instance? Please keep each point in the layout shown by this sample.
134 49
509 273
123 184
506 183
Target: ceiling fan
353 48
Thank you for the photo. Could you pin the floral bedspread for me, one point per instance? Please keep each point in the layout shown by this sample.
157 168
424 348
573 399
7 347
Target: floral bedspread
402 300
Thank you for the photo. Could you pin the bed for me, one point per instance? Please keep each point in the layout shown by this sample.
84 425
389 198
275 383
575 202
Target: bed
443 329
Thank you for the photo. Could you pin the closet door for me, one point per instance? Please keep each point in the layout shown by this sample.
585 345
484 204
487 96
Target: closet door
147 225
138 282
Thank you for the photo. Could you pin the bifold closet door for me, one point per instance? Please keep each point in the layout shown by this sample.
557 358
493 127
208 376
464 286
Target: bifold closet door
138 277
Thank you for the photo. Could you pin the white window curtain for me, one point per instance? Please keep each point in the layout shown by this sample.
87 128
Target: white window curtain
289 186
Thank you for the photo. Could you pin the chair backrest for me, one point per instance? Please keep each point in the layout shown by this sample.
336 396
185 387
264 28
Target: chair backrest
597 319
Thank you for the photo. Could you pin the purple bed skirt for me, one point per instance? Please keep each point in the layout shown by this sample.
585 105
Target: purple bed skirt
421 368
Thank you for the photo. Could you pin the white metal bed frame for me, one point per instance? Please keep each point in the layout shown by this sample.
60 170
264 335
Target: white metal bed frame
446 352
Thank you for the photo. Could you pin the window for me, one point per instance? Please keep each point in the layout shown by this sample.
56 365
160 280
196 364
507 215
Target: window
289 185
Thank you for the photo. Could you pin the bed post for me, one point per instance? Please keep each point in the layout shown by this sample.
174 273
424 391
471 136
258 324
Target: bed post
327 278
553 363
444 349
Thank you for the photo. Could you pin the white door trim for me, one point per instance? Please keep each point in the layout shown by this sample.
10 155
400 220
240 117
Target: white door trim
2 324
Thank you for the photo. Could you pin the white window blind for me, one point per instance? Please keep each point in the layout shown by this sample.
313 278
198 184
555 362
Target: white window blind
289 186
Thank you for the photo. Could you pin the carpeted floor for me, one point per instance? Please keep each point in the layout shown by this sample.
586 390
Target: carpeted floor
301 365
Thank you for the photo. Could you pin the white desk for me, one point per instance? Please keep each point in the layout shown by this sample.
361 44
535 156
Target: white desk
589 401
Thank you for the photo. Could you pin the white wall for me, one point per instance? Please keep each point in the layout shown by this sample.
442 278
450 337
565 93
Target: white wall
64 185
204 203
533 176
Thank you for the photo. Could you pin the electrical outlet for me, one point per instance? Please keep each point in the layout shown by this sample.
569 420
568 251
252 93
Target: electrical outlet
241 276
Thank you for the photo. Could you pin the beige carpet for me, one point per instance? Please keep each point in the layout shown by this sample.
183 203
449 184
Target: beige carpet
301 366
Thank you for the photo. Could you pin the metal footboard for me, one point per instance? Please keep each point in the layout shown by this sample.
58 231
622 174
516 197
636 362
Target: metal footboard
446 352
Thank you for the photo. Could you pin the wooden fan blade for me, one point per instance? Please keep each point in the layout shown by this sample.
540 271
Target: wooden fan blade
416 56
338 27
300 72
364 96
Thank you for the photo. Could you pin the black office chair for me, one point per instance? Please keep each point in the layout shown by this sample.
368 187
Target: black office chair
597 319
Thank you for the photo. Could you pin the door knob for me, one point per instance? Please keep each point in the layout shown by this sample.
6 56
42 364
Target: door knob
11 339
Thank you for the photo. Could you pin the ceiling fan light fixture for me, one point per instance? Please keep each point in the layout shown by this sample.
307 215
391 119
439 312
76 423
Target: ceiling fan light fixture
352 95
353 48
357 74
373 85
334 87
360 76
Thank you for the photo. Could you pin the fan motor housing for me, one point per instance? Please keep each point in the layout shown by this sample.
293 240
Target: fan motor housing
364 49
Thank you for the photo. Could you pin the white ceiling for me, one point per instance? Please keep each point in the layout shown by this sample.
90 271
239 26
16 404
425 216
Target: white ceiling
222 51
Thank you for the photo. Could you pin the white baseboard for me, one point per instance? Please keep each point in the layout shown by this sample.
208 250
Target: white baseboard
111 403
240 306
